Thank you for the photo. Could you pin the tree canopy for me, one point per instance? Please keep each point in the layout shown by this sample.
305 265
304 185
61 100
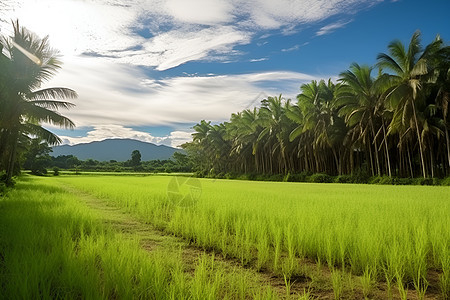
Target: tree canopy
26 62
389 119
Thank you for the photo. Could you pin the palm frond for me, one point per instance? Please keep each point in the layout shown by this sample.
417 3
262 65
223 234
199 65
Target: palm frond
52 93
43 133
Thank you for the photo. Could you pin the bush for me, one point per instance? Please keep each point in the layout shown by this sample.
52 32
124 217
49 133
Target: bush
344 179
2 188
375 180
402 181
424 181
198 174
275 177
361 176
321 178
230 175
299 177
55 171
260 178
446 181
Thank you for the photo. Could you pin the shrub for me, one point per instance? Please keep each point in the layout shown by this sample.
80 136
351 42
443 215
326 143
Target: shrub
275 177
299 177
344 179
260 178
361 176
198 174
375 180
2 188
230 175
55 171
402 181
320 178
424 181
446 181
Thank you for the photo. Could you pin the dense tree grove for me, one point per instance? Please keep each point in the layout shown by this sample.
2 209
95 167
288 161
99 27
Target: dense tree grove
391 119
26 62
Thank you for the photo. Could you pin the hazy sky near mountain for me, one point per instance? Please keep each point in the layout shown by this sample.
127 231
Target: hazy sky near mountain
151 69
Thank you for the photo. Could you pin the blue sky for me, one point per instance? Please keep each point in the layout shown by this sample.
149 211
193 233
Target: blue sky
150 70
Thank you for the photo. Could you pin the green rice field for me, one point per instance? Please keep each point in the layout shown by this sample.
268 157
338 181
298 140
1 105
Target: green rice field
128 237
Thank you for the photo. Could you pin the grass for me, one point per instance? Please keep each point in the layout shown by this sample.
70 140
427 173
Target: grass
394 235
53 246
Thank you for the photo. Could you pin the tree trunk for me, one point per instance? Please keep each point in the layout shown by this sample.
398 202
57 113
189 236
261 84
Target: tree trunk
336 161
420 142
377 160
447 139
431 159
409 161
387 150
12 158
371 160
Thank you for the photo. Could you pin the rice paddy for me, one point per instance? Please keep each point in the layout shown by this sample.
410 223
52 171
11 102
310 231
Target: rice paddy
246 240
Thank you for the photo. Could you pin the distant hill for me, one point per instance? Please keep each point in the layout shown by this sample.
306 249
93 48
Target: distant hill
115 149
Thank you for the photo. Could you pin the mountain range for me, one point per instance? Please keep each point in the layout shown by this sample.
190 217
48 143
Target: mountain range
115 149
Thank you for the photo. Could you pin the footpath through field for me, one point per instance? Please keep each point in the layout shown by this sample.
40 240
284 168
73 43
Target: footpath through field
152 238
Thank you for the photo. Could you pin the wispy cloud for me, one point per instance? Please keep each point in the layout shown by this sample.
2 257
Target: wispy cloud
293 48
135 99
178 31
105 43
258 59
331 28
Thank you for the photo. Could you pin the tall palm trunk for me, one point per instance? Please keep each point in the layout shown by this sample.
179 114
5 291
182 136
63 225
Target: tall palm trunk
371 158
431 157
377 160
447 139
387 150
409 161
12 157
422 161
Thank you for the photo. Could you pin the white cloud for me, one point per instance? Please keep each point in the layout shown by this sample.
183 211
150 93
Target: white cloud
206 12
103 132
331 27
176 47
293 48
181 30
258 59
102 42
118 94
179 137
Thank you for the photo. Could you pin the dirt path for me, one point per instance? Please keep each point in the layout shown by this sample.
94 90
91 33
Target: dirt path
152 238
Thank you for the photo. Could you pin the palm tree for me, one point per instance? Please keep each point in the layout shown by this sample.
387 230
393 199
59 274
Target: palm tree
320 120
442 99
23 104
273 119
359 101
410 66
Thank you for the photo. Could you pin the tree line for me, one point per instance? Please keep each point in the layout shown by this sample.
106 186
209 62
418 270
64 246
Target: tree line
391 119
38 161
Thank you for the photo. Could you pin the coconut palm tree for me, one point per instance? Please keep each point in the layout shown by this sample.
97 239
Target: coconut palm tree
410 67
321 122
24 106
275 134
359 101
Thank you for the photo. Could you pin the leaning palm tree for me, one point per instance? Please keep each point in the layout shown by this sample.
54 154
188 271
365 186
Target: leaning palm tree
24 105
410 67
